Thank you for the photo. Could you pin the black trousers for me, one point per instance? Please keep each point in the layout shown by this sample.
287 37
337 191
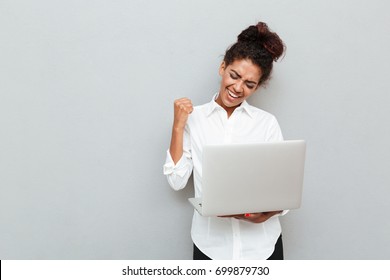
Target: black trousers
276 255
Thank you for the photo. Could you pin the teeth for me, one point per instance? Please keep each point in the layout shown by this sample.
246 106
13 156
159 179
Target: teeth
231 94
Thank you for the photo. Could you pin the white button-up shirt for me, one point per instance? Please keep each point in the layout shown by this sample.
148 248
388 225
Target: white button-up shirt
225 238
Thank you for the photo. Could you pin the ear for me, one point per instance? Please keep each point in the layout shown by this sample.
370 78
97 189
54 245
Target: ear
222 68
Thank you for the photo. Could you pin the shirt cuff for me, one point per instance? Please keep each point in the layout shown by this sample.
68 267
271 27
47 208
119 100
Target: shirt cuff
179 168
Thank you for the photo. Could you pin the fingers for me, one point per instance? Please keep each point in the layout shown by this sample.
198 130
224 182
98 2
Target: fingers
256 217
184 104
182 108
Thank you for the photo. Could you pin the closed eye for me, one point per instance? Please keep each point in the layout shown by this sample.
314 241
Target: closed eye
250 85
234 76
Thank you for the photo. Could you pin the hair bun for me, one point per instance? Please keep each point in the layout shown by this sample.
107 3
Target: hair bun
249 35
260 34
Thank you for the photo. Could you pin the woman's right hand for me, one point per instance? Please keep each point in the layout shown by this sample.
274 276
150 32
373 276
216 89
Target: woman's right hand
182 108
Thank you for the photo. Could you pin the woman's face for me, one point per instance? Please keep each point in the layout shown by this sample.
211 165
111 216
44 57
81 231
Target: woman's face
239 81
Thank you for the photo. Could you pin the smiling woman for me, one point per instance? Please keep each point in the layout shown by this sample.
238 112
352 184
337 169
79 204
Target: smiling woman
247 65
239 81
228 118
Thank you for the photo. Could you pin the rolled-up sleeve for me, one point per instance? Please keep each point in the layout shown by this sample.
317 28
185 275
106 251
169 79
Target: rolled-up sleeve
179 173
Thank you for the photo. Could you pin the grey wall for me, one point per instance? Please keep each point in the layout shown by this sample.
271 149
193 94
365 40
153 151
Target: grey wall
86 92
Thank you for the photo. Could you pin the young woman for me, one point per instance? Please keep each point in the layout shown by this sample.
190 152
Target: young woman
228 118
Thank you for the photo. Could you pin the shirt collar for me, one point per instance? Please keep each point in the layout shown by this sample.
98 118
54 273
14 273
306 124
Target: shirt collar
243 107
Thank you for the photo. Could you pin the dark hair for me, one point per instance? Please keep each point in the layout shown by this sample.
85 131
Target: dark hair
258 44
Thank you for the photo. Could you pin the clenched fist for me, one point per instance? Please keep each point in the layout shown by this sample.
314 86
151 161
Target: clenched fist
182 108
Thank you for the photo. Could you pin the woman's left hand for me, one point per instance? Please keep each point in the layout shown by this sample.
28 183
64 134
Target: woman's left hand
254 217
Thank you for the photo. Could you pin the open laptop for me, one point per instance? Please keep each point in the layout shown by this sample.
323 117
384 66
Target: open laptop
251 178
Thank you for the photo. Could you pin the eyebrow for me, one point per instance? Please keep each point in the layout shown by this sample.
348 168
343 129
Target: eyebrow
235 72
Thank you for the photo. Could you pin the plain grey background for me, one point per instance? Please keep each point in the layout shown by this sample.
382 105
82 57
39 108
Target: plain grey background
86 94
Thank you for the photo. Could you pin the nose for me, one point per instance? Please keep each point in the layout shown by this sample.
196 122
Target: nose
238 86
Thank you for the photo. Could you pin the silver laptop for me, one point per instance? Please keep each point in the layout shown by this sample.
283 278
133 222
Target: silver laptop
251 178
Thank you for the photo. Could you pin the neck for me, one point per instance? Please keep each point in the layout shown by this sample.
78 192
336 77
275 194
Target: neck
229 110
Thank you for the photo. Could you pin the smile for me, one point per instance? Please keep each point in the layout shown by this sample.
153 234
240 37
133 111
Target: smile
232 94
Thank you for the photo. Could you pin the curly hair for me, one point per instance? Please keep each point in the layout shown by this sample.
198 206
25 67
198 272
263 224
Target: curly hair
258 44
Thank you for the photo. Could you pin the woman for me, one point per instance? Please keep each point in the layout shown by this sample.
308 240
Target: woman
228 118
